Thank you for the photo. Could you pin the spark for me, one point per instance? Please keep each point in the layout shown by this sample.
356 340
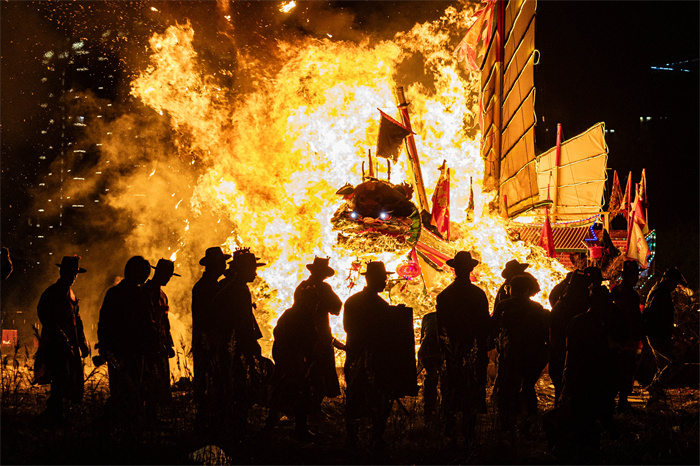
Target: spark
287 7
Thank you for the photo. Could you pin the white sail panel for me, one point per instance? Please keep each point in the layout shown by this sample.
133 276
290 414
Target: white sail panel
581 176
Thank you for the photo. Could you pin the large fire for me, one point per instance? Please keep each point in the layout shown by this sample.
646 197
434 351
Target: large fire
271 158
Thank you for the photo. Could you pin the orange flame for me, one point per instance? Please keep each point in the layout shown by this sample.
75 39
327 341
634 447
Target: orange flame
271 159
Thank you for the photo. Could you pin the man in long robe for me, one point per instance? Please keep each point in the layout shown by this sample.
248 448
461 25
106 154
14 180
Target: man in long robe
204 326
128 338
627 300
366 320
164 271
659 319
524 350
303 350
237 336
463 325
62 344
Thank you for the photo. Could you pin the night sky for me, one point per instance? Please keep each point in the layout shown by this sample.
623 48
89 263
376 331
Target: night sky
595 65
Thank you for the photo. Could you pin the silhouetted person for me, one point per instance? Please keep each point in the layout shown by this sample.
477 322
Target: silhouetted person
511 269
523 350
206 349
303 349
627 300
237 336
595 276
575 301
62 344
430 358
366 321
559 290
6 263
659 317
164 271
589 373
463 326
128 339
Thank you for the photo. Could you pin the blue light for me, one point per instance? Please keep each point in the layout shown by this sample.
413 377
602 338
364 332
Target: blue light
353 215
383 215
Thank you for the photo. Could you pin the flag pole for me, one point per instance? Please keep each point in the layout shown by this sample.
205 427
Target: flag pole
557 162
413 162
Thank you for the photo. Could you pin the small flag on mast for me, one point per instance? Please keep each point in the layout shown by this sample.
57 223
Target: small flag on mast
546 238
615 204
441 203
391 136
627 198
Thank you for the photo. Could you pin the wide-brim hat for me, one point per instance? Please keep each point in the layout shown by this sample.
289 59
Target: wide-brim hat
167 264
674 274
320 266
214 254
71 263
513 268
245 257
463 259
375 268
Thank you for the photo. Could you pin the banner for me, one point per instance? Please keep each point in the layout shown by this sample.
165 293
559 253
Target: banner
441 203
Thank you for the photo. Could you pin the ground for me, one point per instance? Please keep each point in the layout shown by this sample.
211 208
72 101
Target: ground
668 435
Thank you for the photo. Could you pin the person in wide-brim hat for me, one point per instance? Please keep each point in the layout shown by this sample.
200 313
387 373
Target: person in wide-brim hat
463 260
320 267
513 268
70 263
167 266
213 255
675 275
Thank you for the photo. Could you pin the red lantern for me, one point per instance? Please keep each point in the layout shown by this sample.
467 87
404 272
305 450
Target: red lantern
408 270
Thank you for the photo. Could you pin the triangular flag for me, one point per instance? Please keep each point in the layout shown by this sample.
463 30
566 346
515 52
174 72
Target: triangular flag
643 194
391 135
615 197
627 198
441 203
546 238
472 47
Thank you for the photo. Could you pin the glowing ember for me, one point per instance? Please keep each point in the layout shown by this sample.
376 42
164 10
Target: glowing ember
287 7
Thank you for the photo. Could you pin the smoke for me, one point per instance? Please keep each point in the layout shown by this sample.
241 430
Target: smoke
175 163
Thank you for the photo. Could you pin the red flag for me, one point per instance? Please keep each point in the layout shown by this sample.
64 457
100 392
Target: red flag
615 203
391 136
546 238
441 203
478 36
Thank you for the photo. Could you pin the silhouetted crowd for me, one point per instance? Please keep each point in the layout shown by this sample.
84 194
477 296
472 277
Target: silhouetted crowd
590 341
